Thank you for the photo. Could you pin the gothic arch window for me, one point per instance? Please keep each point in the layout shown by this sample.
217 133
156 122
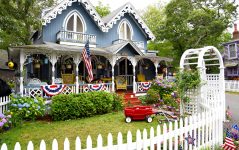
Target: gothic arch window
75 22
125 30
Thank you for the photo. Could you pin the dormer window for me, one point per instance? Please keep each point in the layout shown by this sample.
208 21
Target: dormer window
125 30
232 50
75 23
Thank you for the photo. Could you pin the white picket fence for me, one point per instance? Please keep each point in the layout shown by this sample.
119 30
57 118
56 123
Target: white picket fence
206 128
3 103
232 85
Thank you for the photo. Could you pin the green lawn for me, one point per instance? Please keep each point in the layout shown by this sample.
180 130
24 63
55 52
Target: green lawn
102 124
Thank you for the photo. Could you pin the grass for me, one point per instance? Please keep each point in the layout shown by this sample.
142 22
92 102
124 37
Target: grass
102 124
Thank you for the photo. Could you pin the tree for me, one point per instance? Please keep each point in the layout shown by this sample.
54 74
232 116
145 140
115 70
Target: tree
155 17
196 23
18 19
102 10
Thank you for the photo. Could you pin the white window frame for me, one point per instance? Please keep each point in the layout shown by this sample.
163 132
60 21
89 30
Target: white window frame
229 52
125 22
76 14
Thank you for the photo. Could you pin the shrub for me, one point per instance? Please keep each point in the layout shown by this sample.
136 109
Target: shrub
152 96
117 102
26 107
5 122
65 107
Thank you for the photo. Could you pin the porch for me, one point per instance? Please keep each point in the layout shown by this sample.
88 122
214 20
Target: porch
50 64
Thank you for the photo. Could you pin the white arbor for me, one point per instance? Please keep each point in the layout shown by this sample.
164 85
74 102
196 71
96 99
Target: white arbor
211 93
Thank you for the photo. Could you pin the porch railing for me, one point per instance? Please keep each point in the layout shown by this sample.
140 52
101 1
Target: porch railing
232 85
75 37
139 44
36 91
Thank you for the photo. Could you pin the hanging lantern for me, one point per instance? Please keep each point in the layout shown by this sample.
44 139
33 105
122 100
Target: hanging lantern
10 65
68 66
37 64
46 61
99 66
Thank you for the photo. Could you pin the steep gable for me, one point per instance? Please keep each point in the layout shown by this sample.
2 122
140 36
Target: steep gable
104 24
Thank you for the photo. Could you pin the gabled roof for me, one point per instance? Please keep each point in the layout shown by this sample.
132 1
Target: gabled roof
115 48
105 23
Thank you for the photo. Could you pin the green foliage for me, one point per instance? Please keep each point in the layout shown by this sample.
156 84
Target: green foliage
102 10
186 80
25 108
19 19
152 96
185 24
117 102
65 107
5 122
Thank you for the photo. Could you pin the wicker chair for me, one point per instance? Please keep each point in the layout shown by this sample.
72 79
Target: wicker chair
68 78
121 83
141 78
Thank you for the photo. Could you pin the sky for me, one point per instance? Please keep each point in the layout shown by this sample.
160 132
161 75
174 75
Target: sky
138 4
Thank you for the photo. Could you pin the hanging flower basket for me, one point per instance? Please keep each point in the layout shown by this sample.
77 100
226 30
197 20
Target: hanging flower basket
68 66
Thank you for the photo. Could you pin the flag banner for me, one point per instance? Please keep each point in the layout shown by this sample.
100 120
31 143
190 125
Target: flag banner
52 90
94 87
229 144
144 86
87 61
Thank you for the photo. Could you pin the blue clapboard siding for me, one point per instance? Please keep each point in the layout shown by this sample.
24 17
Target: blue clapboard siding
103 39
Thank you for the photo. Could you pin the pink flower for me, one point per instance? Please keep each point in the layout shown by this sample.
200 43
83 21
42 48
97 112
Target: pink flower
1 124
4 120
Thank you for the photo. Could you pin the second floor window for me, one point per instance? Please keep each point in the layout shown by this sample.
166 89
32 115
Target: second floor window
125 31
74 23
232 51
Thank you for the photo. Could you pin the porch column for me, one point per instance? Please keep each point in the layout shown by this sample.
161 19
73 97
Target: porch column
77 61
22 60
134 63
53 59
156 68
112 61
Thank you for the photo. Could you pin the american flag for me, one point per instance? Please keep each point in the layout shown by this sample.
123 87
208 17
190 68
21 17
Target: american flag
87 61
229 145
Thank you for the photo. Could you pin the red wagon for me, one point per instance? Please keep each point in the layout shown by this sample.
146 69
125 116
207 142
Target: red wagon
138 113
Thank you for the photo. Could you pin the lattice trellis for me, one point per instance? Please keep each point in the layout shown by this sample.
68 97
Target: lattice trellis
211 93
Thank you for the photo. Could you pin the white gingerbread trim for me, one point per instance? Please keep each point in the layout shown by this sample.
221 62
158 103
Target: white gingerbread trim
96 17
131 10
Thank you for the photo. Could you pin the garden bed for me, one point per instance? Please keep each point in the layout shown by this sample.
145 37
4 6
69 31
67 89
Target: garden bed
100 124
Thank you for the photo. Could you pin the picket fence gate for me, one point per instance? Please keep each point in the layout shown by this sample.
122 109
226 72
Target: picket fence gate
3 103
206 128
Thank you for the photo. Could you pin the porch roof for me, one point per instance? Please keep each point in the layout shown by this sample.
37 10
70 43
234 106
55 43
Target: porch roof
155 58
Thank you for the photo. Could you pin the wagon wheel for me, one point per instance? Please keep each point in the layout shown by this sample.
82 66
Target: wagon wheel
149 119
128 119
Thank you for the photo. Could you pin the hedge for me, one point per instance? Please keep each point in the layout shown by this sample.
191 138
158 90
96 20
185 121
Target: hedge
65 107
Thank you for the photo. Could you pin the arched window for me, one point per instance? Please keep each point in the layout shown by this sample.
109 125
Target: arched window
125 30
75 23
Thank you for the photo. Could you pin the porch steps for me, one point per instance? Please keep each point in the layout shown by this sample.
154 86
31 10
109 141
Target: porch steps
131 99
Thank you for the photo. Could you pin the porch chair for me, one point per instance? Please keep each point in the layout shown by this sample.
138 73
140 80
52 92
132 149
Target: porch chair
141 78
120 83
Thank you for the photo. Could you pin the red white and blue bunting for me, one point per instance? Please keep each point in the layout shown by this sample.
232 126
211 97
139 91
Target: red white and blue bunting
52 90
144 86
94 87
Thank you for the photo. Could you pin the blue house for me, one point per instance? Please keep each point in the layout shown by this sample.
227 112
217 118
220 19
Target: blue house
231 56
118 45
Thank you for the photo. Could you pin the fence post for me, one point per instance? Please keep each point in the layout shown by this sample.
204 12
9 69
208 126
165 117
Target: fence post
129 140
42 145
145 147
190 127
170 136
78 143
88 143
4 147
66 144
176 134
165 137
181 132
99 142
30 146
159 139
54 145
151 138
110 141
120 141
17 146
186 133
138 140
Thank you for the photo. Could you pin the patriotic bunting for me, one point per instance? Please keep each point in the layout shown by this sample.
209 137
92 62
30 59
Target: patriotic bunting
52 90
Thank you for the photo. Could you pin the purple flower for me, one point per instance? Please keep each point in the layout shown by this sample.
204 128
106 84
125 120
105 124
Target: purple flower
2 116
1 124
4 120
